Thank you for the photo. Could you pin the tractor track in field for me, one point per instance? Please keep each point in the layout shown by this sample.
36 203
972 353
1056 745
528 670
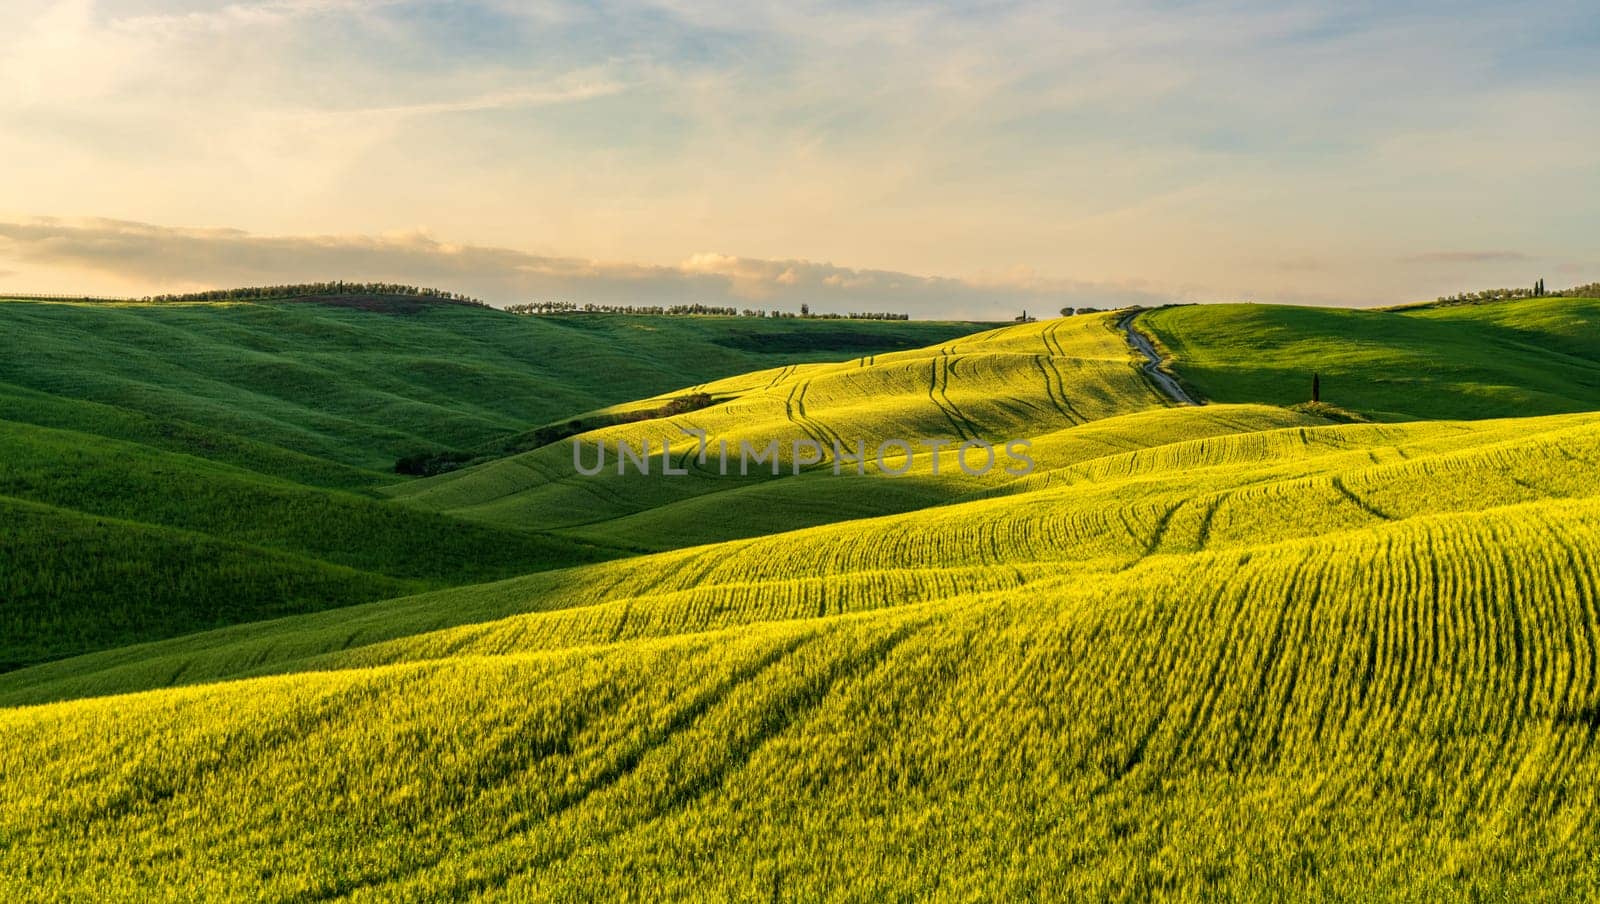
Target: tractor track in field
940 368
951 361
783 374
1163 381
1048 367
1057 392
824 435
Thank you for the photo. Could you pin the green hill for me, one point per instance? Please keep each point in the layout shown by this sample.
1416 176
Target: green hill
363 388
177 466
1014 382
1235 651
112 542
1532 356
1047 665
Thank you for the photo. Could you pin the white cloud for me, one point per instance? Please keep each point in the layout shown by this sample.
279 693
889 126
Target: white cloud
1189 145
148 259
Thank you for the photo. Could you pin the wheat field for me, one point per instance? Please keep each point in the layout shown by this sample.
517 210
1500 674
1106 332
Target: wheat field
1235 651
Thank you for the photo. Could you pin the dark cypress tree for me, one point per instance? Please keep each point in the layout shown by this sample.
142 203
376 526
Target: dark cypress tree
1316 387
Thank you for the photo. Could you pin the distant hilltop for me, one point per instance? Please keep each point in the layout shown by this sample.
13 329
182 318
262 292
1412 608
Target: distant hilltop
1537 290
545 308
296 292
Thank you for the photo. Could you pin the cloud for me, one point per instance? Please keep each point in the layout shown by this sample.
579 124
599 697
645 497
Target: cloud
1466 257
1208 148
150 259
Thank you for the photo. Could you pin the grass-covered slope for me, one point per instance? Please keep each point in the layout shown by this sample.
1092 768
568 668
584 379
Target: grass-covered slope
109 542
72 583
1533 356
1229 652
363 388
112 479
1016 382
1100 513
172 467
1343 661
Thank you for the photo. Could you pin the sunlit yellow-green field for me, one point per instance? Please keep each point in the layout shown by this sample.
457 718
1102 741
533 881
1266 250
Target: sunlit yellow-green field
1243 650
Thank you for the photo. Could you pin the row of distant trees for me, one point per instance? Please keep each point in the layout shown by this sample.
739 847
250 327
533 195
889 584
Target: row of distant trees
568 307
335 288
1537 290
688 310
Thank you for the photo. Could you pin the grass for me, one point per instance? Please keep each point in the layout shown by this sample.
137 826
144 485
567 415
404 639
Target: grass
121 480
1102 513
75 583
362 389
951 702
185 466
1534 356
1014 382
1239 651
113 542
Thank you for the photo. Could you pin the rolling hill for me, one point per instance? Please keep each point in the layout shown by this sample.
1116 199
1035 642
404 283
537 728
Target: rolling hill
361 388
178 466
1533 356
1236 651
1014 382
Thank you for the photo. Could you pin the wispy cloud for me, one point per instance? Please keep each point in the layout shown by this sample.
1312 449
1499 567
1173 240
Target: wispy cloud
150 259
1182 145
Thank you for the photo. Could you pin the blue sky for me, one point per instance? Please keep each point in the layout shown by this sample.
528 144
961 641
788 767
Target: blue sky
940 158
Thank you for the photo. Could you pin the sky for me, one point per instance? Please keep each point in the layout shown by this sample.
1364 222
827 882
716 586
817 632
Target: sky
962 159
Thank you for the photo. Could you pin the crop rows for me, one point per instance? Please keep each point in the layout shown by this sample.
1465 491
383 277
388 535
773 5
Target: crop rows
1436 676
1221 652
987 386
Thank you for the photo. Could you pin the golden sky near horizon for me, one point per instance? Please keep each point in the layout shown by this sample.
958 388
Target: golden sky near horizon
958 159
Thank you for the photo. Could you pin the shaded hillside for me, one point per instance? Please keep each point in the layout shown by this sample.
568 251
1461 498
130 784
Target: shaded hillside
1300 643
1535 356
110 542
176 466
361 389
1010 383
1235 651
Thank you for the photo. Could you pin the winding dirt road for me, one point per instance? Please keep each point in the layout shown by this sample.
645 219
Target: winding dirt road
1152 364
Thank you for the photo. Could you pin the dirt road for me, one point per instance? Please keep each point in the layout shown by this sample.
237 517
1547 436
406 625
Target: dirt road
1152 364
